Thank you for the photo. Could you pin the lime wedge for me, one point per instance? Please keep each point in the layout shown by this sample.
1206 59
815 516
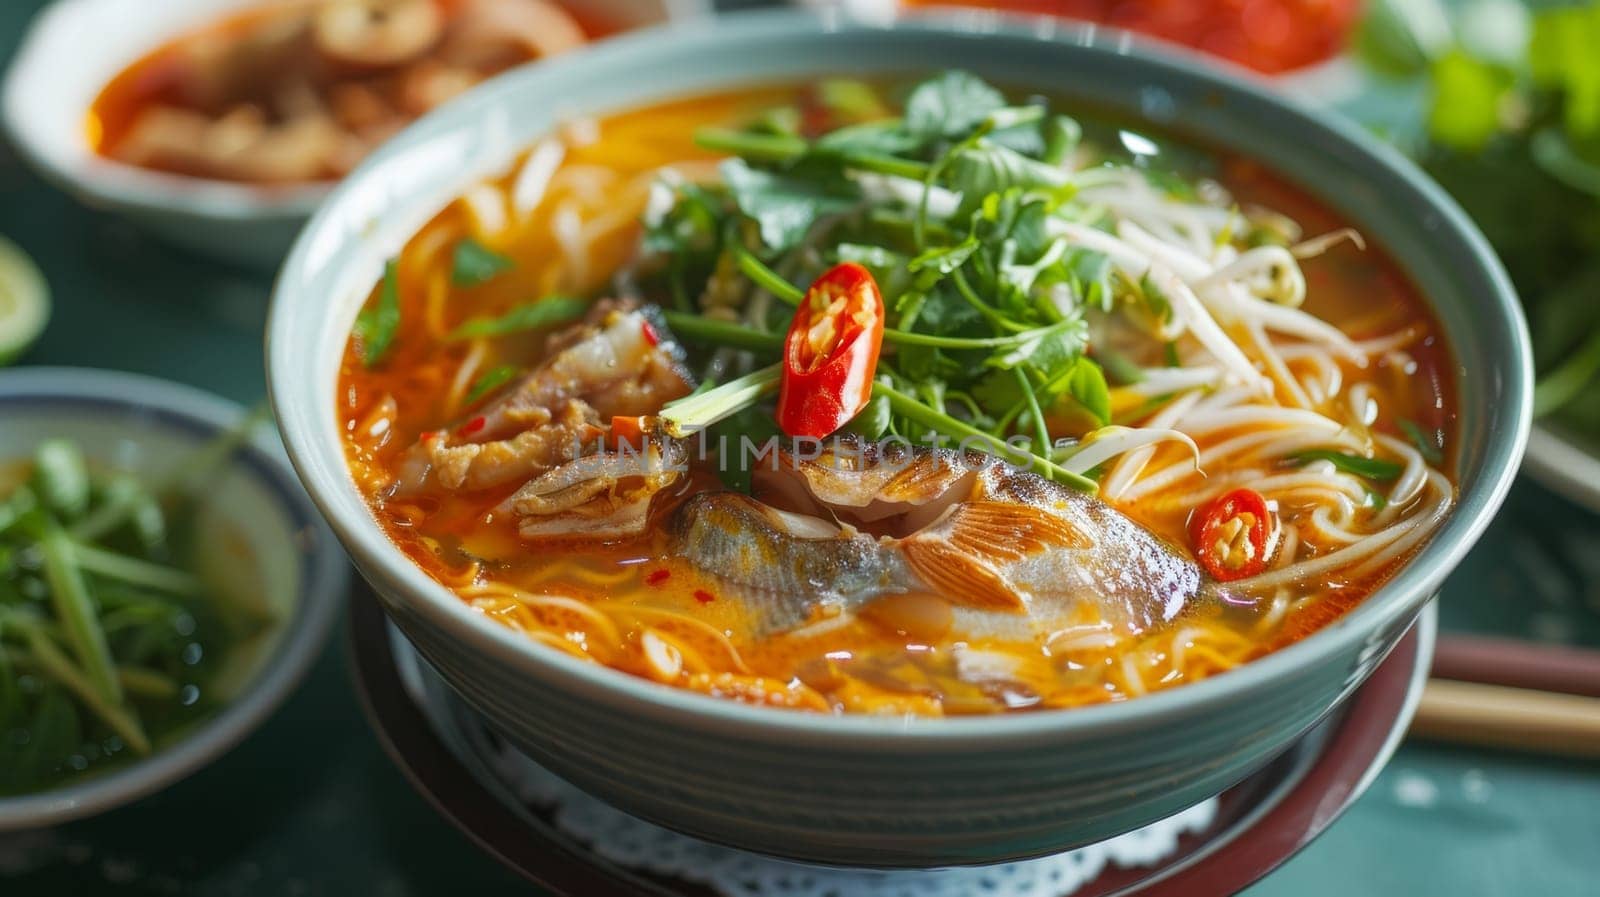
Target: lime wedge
24 302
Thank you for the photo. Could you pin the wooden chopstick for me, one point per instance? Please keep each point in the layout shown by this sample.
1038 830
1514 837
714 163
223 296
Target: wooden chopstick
1512 695
1498 661
1520 719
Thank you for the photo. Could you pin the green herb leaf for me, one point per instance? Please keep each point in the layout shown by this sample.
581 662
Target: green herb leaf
61 477
943 259
1376 499
1049 349
541 313
1467 95
693 225
1062 135
473 264
988 168
1398 38
1086 384
1370 468
849 100
1427 443
1155 300
377 325
752 426
950 105
784 207
872 421
490 382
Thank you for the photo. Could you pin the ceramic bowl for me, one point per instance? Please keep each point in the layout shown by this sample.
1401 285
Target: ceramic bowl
75 47
142 425
872 791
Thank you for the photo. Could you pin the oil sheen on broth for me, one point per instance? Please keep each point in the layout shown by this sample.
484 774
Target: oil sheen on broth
1305 369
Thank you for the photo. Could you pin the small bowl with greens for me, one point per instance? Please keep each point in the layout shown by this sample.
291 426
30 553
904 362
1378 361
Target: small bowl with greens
164 584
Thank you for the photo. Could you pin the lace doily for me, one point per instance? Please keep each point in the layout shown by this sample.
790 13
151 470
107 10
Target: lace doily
644 847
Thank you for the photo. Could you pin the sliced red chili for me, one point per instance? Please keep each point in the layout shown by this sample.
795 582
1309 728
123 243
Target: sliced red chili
657 577
472 426
650 334
831 352
1232 536
703 596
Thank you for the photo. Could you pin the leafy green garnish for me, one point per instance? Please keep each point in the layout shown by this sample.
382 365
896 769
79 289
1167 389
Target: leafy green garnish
491 381
1370 468
872 421
1513 133
849 100
473 263
949 105
784 207
1376 499
1086 383
377 325
1426 443
990 168
110 644
987 306
542 313
1468 94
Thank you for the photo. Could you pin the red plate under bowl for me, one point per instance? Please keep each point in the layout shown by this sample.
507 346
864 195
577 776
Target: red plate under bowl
1259 824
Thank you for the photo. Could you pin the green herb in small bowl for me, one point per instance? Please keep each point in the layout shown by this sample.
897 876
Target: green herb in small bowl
162 584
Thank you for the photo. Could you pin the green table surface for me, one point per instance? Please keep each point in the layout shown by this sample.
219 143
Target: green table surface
309 805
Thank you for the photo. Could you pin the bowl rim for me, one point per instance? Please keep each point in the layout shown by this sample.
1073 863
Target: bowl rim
324 583
1398 599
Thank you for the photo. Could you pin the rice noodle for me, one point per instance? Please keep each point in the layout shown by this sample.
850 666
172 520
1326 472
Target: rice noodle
464 374
1108 442
532 182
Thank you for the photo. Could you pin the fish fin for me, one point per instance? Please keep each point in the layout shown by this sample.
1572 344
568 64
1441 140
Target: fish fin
957 557
959 577
1008 531
926 479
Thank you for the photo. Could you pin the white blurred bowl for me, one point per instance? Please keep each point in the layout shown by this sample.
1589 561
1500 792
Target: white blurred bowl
74 48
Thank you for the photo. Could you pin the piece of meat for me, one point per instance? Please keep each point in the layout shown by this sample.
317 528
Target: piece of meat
479 465
620 364
615 364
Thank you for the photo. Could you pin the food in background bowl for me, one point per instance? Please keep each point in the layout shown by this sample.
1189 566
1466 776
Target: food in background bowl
112 642
263 129
588 397
149 625
301 90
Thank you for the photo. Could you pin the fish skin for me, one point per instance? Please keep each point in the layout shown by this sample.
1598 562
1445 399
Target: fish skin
1008 548
782 577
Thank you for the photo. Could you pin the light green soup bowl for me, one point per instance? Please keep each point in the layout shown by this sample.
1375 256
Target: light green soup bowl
868 791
